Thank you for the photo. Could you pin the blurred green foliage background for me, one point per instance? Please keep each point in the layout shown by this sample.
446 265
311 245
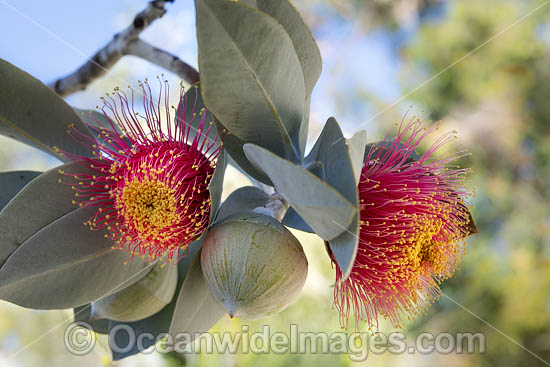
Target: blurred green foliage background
483 69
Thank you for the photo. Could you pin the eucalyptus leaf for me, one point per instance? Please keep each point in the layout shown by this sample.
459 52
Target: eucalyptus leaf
45 249
196 309
159 322
322 207
472 226
252 3
65 265
216 185
332 161
356 148
242 200
142 299
32 113
96 119
304 127
12 182
38 204
263 93
306 49
234 146
190 111
293 220
339 163
344 247
82 313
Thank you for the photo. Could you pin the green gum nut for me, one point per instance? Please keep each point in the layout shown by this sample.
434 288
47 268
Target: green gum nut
142 299
253 265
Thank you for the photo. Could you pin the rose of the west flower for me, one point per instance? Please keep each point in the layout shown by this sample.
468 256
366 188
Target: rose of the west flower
152 173
413 220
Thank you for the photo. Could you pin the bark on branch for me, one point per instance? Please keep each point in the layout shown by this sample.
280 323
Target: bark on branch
163 59
126 43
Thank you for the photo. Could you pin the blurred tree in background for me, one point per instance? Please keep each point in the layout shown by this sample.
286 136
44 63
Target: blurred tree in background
393 14
498 100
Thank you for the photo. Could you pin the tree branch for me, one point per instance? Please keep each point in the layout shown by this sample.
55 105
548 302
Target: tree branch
163 59
126 43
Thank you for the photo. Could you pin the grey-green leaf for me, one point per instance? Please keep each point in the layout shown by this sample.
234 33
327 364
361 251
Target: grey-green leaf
196 309
332 157
356 148
38 204
216 185
82 313
242 200
190 111
45 249
306 49
65 265
254 87
234 146
12 182
304 127
293 220
142 299
339 163
95 118
344 247
159 322
32 113
322 207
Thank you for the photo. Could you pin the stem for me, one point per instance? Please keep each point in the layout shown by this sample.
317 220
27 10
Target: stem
163 59
277 206
125 43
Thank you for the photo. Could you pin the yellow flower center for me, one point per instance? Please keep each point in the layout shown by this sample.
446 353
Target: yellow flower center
423 249
426 255
149 206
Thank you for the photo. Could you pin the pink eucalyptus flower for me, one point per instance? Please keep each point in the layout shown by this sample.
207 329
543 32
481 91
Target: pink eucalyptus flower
412 224
152 174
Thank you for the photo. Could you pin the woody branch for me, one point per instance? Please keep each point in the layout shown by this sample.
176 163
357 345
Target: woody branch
125 43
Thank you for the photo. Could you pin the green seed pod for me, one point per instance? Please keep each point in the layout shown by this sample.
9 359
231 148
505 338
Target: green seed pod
142 299
254 266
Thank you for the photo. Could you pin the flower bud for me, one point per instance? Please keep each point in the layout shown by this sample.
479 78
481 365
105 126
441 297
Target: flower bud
254 266
142 299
